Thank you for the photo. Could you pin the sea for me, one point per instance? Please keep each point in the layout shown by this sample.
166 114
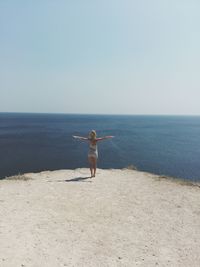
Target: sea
164 145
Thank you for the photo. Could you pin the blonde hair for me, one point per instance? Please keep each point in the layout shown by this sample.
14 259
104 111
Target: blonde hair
92 135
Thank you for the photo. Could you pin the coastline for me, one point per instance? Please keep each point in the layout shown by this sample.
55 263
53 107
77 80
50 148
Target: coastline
119 218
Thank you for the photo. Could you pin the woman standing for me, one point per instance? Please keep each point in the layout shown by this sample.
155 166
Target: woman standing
93 151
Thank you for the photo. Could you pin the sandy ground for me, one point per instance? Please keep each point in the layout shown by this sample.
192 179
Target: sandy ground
119 218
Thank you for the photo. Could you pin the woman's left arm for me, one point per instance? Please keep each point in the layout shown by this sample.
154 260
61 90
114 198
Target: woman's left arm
80 137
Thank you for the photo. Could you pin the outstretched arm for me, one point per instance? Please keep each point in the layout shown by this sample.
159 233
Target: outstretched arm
105 137
80 137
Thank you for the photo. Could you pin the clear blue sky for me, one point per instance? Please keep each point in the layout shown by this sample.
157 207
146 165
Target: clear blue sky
108 56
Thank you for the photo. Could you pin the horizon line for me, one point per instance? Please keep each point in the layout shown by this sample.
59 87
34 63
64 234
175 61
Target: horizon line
96 114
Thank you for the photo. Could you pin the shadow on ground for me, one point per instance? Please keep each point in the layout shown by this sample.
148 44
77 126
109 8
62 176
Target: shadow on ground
76 179
79 179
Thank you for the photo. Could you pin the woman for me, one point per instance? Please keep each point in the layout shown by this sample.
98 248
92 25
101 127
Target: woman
93 152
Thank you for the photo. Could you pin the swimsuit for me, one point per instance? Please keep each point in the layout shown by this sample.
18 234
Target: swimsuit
93 151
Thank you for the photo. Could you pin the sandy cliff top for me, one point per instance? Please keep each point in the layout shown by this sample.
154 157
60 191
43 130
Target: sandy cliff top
119 218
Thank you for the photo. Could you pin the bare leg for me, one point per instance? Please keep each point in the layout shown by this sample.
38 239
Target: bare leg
95 166
91 165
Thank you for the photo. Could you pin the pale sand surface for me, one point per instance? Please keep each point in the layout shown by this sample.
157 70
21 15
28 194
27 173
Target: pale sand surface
119 218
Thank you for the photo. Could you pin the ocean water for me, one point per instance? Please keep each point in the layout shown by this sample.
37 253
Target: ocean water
167 145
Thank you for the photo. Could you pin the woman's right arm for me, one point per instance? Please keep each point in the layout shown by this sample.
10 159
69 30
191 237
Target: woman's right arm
105 137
